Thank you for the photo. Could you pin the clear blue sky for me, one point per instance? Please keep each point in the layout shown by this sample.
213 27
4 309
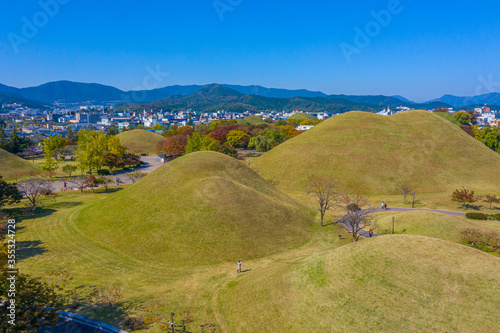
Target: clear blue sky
428 49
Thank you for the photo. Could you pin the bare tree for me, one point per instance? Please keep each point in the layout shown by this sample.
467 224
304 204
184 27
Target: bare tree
109 295
80 182
356 218
325 190
404 190
136 175
33 189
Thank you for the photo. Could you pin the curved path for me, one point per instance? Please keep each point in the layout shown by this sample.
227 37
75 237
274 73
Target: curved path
366 234
72 323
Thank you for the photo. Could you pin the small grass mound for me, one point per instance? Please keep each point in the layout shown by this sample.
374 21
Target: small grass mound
203 208
251 120
391 283
140 141
303 116
12 166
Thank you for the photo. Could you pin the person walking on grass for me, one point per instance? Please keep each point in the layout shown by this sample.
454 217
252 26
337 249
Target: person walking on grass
238 270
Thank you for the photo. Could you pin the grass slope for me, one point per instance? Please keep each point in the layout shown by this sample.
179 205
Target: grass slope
303 116
430 224
202 208
373 154
448 116
251 120
394 283
12 166
140 141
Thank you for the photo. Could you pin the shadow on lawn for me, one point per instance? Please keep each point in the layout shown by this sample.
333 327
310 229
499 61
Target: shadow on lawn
28 249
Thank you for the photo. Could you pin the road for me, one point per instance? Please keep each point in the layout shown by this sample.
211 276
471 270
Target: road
151 163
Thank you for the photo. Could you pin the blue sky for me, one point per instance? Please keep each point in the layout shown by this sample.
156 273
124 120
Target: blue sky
421 49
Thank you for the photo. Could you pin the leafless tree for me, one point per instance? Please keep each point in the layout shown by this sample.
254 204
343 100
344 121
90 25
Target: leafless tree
325 191
80 182
109 295
136 175
357 210
33 189
404 190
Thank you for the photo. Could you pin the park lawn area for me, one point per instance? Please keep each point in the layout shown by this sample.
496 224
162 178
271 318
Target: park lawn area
394 283
13 167
50 241
430 224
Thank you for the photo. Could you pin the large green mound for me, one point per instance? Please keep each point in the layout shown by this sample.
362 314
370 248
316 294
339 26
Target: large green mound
204 207
140 141
303 116
12 166
251 120
373 154
388 284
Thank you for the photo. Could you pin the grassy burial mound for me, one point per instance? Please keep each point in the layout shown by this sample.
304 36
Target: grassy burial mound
12 166
140 141
303 116
205 207
394 283
251 120
373 154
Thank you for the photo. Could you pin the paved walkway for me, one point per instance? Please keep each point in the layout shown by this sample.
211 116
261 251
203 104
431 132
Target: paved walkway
366 233
151 163
72 323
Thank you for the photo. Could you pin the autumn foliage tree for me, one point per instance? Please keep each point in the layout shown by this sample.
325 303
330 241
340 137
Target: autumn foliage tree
324 189
173 145
464 196
491 199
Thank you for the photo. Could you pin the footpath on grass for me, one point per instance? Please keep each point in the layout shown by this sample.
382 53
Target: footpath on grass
151 163
366 233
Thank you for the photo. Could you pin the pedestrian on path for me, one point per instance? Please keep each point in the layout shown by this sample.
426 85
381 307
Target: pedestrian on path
383 205
371 232
238 270
64 185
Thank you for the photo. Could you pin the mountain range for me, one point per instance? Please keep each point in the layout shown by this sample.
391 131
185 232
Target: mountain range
239 97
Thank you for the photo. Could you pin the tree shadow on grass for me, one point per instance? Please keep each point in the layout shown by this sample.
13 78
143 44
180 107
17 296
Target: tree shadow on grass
29 249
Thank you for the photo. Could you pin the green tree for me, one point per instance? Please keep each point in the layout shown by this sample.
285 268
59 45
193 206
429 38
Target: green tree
53 146
463 118
72 136
198 142
51 164
9 193
112 130
236 138
69 169
3 139
260 143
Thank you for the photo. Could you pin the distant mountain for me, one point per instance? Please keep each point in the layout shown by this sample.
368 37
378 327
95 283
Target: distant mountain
11 98
273 92
218 97
401 98
491 99
372 100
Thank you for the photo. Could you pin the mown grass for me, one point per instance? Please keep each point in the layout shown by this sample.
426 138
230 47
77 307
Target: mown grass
374 154
12 166
430 224
448 116
303 116
140 141
394 283
202 208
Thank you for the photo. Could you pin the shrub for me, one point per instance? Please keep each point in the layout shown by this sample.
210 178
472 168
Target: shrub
103 172
476 216
144 154
484 241
495 216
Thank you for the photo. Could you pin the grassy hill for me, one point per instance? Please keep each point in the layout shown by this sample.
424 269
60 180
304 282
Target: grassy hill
303 116
373 154
251 120
202 208
426 285
448 116
13 166
140 141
